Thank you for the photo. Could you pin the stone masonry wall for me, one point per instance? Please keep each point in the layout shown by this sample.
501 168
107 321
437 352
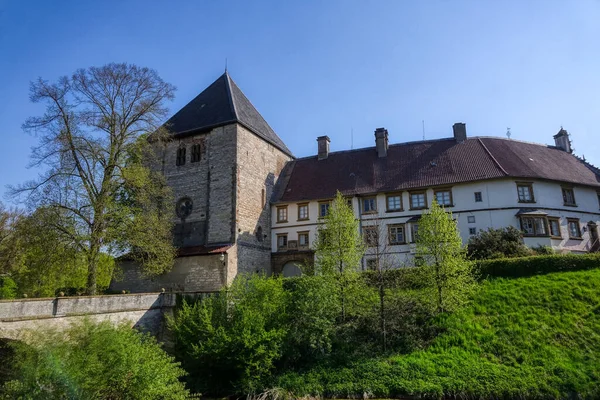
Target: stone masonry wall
258 167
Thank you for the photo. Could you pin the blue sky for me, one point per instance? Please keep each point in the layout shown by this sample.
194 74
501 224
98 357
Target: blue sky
327 67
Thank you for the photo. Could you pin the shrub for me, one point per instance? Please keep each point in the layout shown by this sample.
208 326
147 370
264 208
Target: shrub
94 362
497 243
537 265
8 288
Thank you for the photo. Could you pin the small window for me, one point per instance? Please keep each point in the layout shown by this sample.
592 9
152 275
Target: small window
259 234
471 219
282 241
534 226
396 234
372 264
282 215
598 199
371 235
263 198
414 231
568 196
369 205
302 212
349 202
180 156
303 239
196 152
554 224
324 208
525 191
418 201
444 197
574 228
394 202
472 231
478 197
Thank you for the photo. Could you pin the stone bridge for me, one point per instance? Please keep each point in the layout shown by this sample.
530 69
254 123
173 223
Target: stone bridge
145 311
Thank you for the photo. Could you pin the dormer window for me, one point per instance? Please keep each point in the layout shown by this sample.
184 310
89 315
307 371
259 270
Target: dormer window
525 192
180 156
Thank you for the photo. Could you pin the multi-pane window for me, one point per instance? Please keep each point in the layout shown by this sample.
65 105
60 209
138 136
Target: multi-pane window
371 235
394 202
598 199
418 200
282 214
282 241
303 239
471 219
568 196
478 197
396 234
534 226
444 197
525 191
180 156
414 232
369 205
302 211
554 224
574 229
196 152
324 208
472 231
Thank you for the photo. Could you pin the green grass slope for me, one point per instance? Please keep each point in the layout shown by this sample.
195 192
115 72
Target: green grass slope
536 337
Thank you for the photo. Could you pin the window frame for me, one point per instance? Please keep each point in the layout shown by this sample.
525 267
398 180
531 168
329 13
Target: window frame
564 190
440 190
528 185
282 208
472 231
557 220
535 233
285 237
480 197
196 153
181 156
367 238
471 219
307 245
362 203
387 202
299 206
577 222
321 203
413 235
396 226
598 194
417 192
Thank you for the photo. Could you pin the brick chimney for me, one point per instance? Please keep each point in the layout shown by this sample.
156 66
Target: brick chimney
381 141
562 141
460 132
323 147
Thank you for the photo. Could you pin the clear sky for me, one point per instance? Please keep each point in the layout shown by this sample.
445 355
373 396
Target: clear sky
327 67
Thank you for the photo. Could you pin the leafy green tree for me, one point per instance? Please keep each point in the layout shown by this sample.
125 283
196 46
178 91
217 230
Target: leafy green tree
340 248
94 361
8 288
497 243
9 253
88 140
230 342
444 265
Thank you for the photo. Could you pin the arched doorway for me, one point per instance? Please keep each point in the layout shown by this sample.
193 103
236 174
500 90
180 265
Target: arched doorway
291 268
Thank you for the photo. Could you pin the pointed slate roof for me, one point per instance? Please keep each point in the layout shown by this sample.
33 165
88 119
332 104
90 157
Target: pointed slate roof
222 103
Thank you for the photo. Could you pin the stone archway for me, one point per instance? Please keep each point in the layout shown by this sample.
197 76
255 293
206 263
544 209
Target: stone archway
291 269
297 258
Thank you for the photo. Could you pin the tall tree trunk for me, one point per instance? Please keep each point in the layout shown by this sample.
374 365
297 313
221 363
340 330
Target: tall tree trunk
92 270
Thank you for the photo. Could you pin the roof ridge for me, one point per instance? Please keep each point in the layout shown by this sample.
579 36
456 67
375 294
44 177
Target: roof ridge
230 95
491 156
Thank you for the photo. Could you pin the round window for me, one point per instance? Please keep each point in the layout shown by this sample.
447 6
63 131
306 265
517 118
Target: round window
184 207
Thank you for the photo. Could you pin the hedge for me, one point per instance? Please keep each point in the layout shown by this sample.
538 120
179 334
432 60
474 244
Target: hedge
536 265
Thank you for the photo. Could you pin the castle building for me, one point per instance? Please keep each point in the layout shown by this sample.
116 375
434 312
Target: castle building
245 204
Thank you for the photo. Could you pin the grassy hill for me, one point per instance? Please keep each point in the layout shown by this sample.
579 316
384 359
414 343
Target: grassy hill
536 337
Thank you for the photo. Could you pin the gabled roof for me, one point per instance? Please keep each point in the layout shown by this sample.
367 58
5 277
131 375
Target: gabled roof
222 103
429 163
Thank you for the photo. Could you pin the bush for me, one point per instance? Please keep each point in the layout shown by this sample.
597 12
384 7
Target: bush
8 288
497 243
537 265
94 362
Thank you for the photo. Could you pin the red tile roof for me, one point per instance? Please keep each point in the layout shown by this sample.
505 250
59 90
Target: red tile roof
426 164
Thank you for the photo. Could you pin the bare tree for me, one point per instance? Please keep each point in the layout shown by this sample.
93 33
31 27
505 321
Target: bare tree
90 141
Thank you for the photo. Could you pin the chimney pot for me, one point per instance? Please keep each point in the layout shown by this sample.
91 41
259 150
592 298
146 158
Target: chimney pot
460 132
381 142
323 147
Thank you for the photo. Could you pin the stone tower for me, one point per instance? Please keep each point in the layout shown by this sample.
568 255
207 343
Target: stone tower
222 163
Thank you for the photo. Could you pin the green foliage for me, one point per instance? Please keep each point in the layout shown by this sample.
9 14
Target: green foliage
94 362
541 250
497 243
537 265
339 248
229 342
444 264
8 288
533 337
